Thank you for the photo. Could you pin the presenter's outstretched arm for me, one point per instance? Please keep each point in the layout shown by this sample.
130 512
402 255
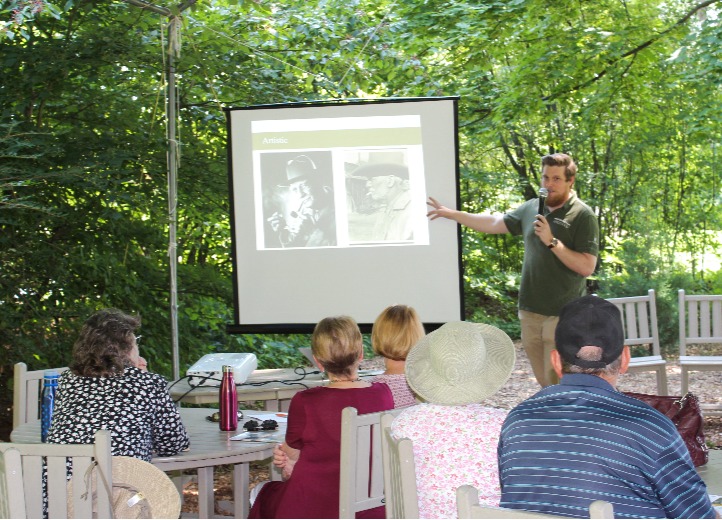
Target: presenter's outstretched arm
485 223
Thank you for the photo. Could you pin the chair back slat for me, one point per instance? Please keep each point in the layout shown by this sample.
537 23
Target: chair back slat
57 486
32 477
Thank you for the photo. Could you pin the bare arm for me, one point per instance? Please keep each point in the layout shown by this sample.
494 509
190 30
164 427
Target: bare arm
485 223
581 263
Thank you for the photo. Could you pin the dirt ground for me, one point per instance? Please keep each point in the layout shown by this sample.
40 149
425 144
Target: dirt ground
521 384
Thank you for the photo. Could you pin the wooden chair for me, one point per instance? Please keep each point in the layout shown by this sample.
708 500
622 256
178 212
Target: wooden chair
361 477
700 323
23 475
402 500
27 390
639 317
467 503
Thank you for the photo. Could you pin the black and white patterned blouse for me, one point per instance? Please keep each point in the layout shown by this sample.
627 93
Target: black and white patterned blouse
136 409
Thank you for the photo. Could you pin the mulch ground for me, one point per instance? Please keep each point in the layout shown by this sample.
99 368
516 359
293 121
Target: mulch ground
521 384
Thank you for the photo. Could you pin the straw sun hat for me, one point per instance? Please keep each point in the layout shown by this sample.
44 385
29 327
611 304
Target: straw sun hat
140 490
460 363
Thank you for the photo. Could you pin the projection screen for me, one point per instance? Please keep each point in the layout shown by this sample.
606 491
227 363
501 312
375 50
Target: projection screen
328 212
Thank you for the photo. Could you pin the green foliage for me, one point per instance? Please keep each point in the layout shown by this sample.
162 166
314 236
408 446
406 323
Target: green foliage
630 89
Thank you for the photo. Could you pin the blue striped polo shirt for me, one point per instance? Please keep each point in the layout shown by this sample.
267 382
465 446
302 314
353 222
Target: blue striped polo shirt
581 440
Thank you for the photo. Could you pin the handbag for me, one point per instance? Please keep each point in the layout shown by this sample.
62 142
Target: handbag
686 415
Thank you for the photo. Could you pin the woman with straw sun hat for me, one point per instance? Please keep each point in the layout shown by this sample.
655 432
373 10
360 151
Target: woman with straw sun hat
452 370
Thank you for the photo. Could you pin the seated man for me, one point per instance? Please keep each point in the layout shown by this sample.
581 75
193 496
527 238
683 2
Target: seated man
582 440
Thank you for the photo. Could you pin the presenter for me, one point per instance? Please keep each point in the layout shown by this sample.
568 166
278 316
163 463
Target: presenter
560 251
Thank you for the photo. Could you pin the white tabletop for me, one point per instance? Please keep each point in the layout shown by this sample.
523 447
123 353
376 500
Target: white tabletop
211 446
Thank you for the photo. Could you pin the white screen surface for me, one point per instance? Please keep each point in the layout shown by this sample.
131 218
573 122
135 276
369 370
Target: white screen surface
329 212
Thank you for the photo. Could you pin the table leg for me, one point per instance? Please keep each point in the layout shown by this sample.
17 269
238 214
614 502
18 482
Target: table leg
271 405
241 482
206 497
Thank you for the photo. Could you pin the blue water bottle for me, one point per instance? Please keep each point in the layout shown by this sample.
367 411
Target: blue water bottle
50 387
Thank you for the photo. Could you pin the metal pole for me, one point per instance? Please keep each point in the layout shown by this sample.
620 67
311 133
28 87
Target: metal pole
173 44
173 28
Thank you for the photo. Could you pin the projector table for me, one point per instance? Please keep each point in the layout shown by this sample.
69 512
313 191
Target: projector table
275 386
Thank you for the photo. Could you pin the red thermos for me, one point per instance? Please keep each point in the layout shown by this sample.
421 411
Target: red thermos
228 400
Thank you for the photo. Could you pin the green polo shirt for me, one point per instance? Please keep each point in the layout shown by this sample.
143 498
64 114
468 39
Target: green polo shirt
546 283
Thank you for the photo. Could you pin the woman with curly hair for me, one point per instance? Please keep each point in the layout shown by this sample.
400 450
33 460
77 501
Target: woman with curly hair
108 387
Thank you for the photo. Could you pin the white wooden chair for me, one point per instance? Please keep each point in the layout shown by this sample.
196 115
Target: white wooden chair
23 475
639 317
27 390
700 323
467 503
402 499
361 484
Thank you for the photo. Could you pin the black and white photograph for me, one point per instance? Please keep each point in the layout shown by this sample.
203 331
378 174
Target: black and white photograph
298 200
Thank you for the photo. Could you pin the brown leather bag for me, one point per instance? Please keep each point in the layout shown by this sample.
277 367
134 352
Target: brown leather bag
686 415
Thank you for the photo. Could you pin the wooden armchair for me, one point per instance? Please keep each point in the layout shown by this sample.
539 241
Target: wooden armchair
700 323
22 478
639 317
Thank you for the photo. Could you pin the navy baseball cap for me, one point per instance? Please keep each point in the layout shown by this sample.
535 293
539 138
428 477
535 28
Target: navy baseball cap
589 321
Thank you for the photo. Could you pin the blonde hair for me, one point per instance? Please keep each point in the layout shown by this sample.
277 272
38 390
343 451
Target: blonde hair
337 344
395 331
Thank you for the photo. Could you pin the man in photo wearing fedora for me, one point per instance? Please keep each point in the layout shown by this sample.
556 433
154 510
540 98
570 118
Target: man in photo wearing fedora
307 218
581 440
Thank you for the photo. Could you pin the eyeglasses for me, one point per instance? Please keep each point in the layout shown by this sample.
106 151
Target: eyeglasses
137 339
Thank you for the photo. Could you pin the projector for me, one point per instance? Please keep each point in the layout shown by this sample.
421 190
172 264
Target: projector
208 370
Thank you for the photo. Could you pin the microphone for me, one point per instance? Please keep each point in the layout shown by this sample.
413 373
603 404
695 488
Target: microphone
543 192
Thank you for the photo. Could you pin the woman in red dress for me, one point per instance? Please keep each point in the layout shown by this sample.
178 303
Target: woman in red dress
310 457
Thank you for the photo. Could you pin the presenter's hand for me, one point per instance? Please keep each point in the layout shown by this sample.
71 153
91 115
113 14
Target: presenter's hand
438 211
542 230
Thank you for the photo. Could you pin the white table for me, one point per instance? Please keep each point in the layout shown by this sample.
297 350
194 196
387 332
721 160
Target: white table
274 386
210 447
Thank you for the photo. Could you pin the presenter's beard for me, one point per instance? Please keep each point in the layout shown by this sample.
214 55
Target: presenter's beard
554 199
